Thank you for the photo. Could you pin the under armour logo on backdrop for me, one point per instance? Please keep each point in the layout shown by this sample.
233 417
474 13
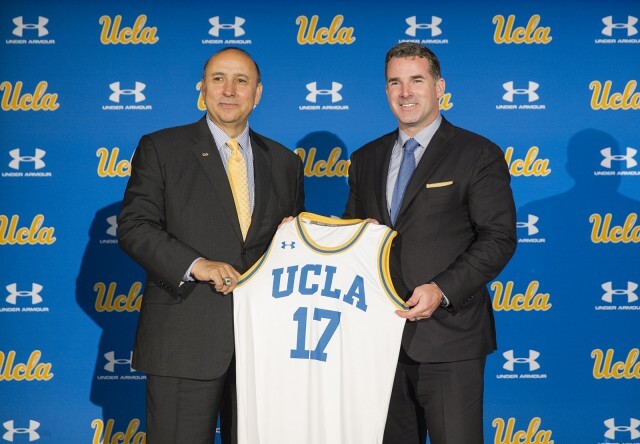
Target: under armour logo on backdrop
531 360
21 26
217 26
38 163
112 361
333 92
117 92
113 225
12 430
529 92
632 428
628 158
629 26
610 292
433 26
530 224
14 294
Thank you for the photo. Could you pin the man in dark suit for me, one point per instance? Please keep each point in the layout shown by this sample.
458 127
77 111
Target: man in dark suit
195 220
446 192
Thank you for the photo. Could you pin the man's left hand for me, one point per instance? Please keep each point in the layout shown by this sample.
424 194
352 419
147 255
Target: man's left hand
423 302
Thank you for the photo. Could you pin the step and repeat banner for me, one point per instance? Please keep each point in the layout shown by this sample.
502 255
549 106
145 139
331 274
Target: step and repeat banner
555 84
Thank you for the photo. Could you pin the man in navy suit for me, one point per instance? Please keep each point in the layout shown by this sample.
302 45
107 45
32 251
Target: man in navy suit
447 192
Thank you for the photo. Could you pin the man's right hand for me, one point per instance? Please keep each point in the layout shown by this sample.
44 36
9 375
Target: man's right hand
221 275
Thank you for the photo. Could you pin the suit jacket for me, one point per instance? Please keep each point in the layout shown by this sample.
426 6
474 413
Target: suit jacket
178 206
457 227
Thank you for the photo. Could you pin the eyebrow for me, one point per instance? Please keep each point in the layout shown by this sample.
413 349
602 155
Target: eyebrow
397 79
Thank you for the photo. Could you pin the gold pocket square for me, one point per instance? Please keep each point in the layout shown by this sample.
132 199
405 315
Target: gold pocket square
440 184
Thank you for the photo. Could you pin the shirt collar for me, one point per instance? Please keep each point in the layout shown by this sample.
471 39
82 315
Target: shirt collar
221 137
424 136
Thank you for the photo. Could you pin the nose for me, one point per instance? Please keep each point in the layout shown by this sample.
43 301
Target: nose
405 90
229 89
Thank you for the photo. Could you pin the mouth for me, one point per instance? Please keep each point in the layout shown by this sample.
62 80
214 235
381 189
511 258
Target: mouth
408 105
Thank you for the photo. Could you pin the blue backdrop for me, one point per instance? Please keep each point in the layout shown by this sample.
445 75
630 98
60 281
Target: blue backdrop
554 84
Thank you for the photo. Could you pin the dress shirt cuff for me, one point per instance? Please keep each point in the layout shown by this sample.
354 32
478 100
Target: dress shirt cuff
444 302
187 276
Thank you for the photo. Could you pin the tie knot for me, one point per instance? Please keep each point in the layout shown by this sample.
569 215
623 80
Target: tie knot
410 145
233 144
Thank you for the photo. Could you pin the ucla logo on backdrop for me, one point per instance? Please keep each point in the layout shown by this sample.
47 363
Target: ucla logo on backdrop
26 29
106 434
333 166
619 32
531 33
604 231
25 163
127 97
603 99
233 29
324 98
521 365
619 297
200 103
520 98
35 234
622 431
32 370
113 33
424 32
108 302
529 230
529 166
24 299
504 299
110 165
506 432
605 365
309 33
618 163
117 367
12 430
14 100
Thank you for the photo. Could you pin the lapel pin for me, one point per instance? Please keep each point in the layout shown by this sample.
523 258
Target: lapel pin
205 154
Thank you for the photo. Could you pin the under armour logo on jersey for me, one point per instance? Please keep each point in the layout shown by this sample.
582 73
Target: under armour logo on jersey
530 92
531 360
632 428
333 92
530 224
113 225
628 158
34 294
433 26
629 292
12 430
217 26
21 26
629 26
36 159
291 245
112 361
117 92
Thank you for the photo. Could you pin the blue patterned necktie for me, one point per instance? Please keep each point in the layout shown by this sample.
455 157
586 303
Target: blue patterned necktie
407 166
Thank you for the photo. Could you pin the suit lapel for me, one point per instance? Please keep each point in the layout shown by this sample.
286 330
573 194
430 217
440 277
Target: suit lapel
434 153
205 150
262 175
381 164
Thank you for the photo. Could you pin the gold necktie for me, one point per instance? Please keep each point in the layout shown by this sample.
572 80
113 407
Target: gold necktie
237 171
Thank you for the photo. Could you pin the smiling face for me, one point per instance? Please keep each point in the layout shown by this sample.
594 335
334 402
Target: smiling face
413 93
231 89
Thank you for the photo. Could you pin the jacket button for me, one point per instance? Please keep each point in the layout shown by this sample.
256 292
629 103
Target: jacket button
243 251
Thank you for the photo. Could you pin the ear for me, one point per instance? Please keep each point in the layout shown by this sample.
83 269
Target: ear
258 95
440 86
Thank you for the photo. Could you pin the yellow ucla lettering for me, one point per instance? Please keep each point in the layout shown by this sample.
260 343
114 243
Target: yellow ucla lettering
506 434
603 99
104 434
201 104
529 166
445 102
308 33
40 100
605 368
530 300
111 33
36 234
33 370
603 232
106 301
109 166
506 33
334 166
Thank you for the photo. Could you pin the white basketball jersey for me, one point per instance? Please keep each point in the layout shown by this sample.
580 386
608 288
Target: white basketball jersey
317 338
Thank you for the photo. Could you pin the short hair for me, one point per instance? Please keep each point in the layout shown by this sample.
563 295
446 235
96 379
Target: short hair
411 49
229 48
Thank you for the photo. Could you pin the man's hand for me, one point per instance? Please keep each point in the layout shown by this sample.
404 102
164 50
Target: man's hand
424 301
221 275
286 219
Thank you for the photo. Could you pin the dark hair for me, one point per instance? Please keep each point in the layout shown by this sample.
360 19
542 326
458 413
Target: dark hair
229 48
411 49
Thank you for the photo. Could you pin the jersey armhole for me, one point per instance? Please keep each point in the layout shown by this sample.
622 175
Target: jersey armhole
254 269
384 270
